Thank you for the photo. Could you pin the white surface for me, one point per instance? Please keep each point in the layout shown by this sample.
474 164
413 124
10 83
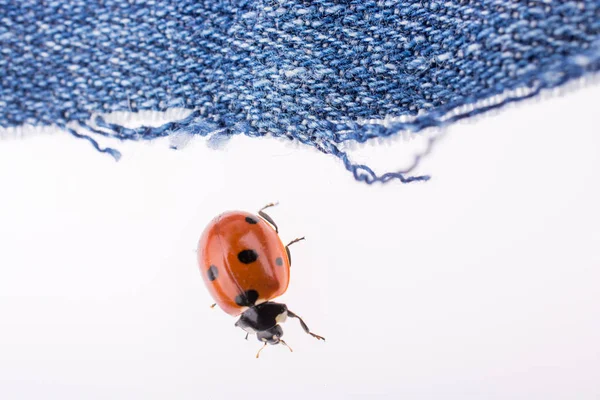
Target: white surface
480 284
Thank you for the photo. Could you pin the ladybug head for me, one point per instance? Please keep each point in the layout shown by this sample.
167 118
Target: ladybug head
264 320
271 336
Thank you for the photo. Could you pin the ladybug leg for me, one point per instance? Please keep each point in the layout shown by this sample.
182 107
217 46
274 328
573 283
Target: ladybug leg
295 241
247 335
267 217
292 315
261 349
213 305
269 205
287 248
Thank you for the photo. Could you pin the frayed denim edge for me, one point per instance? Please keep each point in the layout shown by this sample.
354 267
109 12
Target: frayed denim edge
573 68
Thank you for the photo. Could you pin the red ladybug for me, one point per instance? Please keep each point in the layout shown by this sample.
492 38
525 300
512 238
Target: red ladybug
245 265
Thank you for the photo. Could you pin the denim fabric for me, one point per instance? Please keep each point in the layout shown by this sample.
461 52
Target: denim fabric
321 72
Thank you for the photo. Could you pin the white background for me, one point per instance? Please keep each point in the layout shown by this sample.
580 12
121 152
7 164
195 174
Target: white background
480 284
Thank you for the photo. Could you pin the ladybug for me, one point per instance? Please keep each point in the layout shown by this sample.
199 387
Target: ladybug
245 265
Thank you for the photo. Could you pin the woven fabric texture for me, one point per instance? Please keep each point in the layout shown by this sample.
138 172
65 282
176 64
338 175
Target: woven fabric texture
320 72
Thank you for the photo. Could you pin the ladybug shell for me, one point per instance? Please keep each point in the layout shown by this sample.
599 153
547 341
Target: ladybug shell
243 261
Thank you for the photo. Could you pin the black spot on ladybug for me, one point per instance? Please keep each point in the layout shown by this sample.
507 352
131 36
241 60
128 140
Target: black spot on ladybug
212 273
279 261
246 299
247 256
251 220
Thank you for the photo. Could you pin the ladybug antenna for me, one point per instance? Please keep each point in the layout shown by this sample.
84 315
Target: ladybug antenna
286 345
261 349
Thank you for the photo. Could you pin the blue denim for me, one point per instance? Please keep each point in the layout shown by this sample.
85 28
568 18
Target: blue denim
321 72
